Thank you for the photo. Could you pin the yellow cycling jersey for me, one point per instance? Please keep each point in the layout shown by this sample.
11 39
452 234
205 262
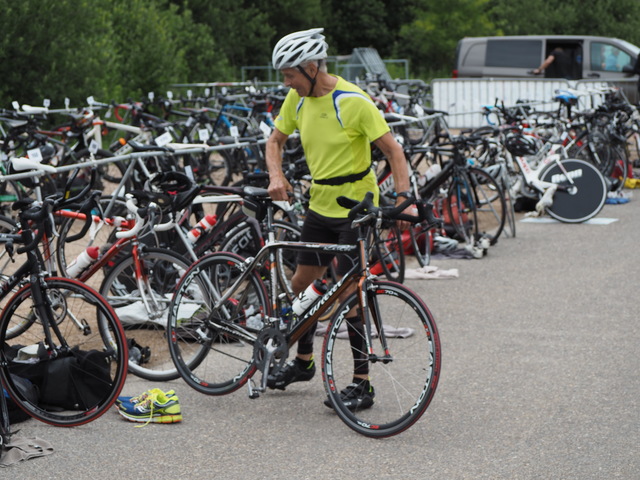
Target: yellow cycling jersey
336 131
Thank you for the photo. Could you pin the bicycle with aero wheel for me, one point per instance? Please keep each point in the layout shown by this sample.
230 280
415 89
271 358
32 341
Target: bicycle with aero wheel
222 303
570 190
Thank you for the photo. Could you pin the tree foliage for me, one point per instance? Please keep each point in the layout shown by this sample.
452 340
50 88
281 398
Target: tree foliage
609 18
430 39
125 48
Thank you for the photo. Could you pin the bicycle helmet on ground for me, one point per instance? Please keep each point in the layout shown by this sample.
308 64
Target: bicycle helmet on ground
299 47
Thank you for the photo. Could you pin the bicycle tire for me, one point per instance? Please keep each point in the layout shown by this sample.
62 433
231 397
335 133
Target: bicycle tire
510 224
405 385
10 191
490 204
74 305
144 315
241 241
387 252
420 237
9 263
460 209
110 172
598 151
586 200
209 358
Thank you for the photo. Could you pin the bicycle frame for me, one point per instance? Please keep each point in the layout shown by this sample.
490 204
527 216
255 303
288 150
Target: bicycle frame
531 175
356 278
31 268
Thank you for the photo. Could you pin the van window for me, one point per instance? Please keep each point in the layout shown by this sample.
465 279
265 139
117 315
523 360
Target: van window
608 58
514 53
474 56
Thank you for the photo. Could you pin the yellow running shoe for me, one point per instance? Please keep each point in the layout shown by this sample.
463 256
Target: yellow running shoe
155 408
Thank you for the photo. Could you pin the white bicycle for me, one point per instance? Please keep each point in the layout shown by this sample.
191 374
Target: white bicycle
570 190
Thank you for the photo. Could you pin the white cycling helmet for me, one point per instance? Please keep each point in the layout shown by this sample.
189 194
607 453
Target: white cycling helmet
299 47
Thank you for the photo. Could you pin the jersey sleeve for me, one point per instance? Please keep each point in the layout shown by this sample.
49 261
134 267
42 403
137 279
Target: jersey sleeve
372 122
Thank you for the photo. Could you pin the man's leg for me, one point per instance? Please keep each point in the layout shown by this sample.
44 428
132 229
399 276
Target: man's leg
302 368
302 278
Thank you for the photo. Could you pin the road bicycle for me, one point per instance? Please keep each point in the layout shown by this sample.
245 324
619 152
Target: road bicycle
136 279
225 326
470 201
58 332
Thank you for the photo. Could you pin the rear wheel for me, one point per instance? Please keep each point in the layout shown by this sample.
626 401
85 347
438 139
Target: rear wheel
490 204
142 305
582 190
212 343
387 252
420 235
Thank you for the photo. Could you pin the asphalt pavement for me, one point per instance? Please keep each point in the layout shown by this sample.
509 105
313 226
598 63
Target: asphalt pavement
539 380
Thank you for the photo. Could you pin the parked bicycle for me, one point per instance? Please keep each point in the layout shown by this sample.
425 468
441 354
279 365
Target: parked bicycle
58 332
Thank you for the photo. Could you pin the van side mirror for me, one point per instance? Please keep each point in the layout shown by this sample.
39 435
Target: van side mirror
628 69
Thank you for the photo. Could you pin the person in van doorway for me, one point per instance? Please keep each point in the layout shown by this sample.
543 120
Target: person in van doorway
561 63
337 122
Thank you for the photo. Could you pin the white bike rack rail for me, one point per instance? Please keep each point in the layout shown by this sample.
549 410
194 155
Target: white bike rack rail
463 98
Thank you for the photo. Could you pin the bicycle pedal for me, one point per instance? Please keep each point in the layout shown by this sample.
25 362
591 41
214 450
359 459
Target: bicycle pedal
253 391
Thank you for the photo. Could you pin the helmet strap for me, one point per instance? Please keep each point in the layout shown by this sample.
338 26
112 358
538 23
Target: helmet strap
311 80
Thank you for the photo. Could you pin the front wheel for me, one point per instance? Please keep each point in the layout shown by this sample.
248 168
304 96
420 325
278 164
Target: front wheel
139 288
582 190
405 365
88 372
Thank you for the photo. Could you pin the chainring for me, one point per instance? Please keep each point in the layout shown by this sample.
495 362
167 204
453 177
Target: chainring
272 340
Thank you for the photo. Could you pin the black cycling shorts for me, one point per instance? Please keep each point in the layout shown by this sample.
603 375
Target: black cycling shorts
320 229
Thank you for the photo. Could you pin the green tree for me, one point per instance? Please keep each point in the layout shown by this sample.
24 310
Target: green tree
247 31
54 49
368 23
241 30
610 18
430 40
157 45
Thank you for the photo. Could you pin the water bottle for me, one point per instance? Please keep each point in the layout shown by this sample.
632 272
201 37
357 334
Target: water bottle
310 295
86 258
202 226
431 172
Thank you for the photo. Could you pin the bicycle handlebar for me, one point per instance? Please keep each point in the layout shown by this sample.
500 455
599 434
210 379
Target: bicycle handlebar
87 209
141 214
369 211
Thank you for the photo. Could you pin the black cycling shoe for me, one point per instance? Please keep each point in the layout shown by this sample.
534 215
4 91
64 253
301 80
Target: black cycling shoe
291 372
357 396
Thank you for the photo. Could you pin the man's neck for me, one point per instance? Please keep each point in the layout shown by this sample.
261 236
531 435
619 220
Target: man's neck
325 83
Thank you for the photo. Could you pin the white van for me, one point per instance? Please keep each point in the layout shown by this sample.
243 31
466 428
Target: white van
593 58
